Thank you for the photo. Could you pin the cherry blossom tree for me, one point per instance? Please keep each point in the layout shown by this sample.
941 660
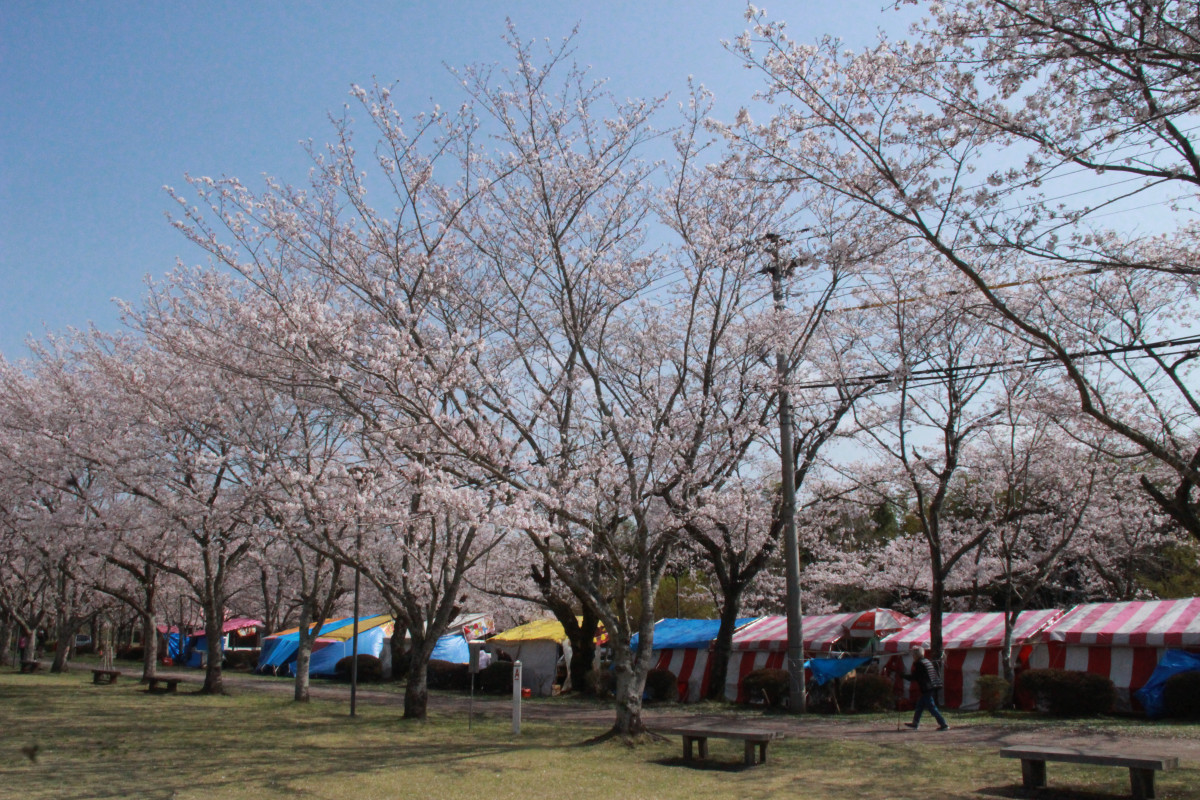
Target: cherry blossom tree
1005 139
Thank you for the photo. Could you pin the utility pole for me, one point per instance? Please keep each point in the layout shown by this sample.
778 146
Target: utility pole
778 270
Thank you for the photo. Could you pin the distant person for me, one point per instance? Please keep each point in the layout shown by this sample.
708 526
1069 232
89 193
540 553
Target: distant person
925 673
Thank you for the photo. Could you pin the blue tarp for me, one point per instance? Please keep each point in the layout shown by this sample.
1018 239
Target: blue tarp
173 646
825 670
453 648
279 651
324 661
1172 662
670 634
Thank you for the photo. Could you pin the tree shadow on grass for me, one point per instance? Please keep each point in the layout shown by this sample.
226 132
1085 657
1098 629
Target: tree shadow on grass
706 764
1048 793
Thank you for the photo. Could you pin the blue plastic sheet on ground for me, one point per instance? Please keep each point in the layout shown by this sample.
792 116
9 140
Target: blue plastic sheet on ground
1172 662
825 670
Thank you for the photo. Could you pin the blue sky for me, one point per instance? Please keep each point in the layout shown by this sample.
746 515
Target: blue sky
104 103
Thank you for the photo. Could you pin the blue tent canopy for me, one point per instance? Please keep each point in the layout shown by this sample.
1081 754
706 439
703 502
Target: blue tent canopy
670 634
1172 663
453 648
279 650
324 661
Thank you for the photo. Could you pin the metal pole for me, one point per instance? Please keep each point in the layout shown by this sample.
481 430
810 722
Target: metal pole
354 648
791 546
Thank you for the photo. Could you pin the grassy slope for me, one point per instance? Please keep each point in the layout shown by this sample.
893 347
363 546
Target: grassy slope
117 741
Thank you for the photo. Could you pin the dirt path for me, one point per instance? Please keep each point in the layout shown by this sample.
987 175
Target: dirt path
848 728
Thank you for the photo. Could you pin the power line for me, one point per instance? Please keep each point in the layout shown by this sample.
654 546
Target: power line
938 374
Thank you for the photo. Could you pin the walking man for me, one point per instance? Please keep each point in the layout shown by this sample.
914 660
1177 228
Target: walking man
929 680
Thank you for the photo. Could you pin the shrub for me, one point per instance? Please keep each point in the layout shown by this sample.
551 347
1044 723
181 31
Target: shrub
241 659
600 682
1068 694
867 692
370 668
448 675
769 686
130 653
661 685
1181 695
993 692
496 678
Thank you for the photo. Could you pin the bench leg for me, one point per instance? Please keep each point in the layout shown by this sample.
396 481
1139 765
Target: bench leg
1033 773
749 757
703 741
1141 781
762 752
687 748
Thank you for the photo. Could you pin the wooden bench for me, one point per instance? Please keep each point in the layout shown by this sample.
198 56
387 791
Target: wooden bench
1141 768
754 739
105 676
31 666
171 684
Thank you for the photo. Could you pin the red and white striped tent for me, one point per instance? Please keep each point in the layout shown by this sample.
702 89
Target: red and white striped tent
972 643
878 622
683 646
1122 641
762 644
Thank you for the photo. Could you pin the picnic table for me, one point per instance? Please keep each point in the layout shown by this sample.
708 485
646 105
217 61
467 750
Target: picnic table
168 685
755 740
1141 768
105 676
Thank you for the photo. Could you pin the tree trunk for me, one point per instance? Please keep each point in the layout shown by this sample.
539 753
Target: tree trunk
1010 622
631 683
719 658
583 652
416 690
937 602
6 643
214 622
61 648
31 645
399 654
149 643
303 654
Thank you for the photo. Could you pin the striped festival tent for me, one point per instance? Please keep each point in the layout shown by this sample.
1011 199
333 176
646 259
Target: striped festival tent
684 646
1122 641
972 643
762 644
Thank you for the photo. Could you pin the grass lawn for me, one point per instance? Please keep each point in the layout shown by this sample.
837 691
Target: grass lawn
118 741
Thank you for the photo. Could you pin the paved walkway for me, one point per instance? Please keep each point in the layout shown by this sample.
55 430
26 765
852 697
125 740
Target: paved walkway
811 726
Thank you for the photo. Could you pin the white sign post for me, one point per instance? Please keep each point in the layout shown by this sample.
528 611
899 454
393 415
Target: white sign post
517 698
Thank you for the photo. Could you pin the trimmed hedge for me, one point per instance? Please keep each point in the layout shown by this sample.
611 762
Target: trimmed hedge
1181 696
130 653
662 685
867 692
993 692
370 668
241 659
448 675
496 678
600 682
1066 693
768 686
